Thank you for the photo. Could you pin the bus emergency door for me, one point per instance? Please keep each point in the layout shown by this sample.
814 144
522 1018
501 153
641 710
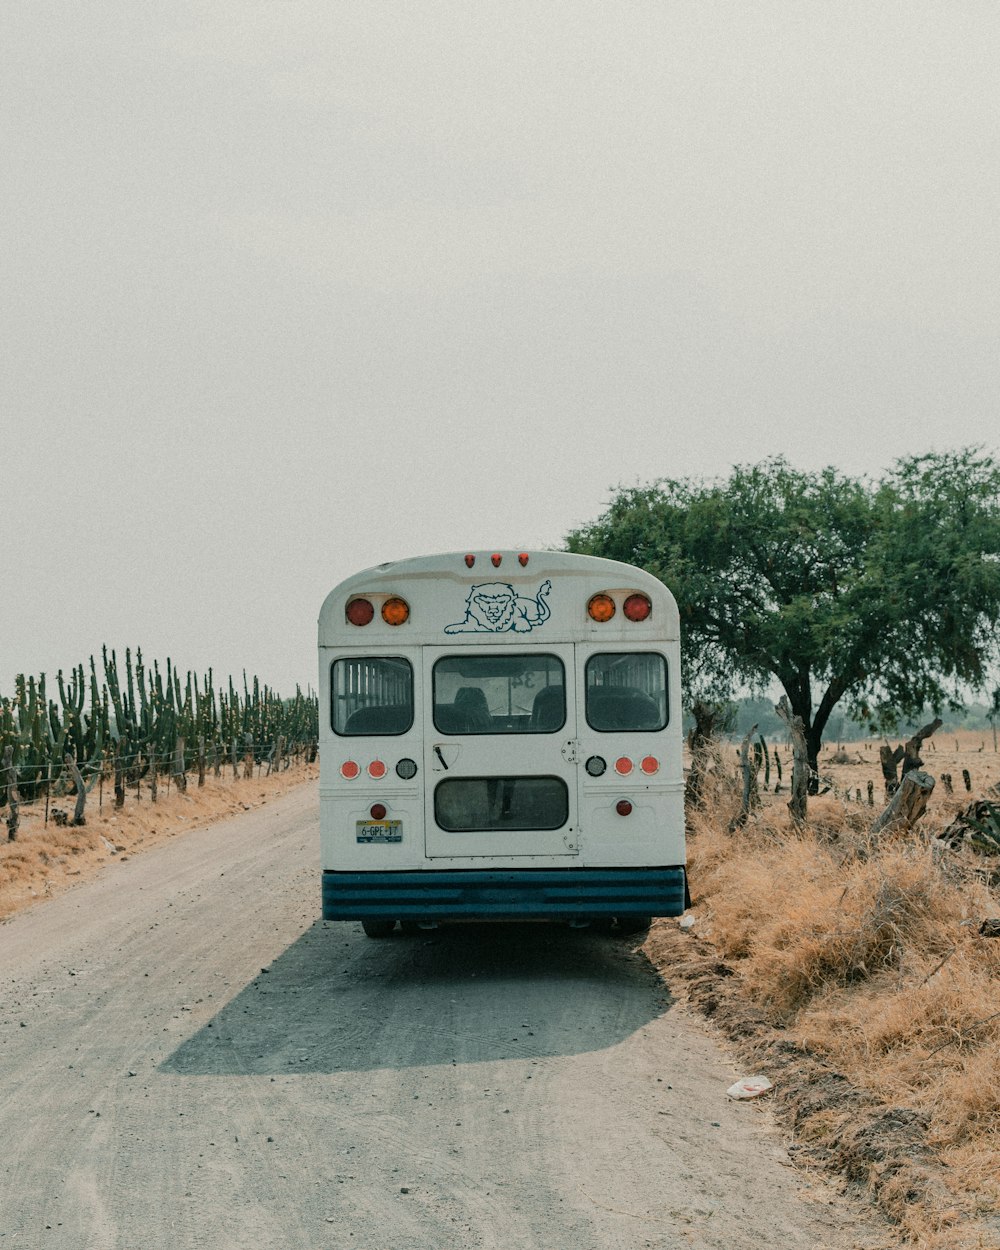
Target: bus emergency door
500 759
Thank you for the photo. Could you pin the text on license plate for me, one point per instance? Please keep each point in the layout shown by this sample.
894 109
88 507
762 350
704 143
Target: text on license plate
380 830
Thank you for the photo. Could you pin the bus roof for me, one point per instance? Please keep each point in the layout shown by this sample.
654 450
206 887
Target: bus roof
498 596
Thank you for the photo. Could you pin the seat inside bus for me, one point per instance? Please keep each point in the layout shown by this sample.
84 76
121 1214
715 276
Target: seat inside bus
548 711
393 718
622 708
472 701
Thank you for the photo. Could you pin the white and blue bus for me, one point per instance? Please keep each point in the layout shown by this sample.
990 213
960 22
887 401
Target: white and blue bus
500 738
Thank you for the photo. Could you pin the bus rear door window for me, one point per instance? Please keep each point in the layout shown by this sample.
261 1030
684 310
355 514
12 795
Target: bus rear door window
499 694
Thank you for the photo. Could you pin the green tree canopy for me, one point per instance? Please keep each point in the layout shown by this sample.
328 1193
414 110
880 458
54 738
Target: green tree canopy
884 594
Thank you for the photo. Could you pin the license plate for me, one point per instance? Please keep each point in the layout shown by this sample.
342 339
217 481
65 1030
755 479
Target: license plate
380 830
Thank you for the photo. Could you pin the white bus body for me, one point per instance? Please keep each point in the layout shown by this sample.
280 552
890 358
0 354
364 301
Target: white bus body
492 748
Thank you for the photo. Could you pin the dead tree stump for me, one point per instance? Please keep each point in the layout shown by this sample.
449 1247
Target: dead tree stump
908 804
748 769
800 760
889 758
911 751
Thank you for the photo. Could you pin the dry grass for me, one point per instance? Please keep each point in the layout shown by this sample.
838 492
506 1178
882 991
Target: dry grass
865 955
47 859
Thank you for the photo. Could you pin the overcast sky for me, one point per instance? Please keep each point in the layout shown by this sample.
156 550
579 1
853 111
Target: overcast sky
292 288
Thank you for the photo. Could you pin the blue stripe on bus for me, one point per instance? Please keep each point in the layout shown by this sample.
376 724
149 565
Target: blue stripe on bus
465 895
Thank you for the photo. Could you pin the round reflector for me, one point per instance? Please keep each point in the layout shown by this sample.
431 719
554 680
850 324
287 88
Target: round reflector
349 770
596 766
650 764
376 769
495 559
623 766
406 769
395 611
637 607
360 611
522 558
377 811
601 607
470 560
623 807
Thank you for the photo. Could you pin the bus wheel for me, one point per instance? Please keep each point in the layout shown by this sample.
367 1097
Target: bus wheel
631 925
409 926
378 928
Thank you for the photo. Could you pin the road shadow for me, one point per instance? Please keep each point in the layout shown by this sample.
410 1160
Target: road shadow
335 1001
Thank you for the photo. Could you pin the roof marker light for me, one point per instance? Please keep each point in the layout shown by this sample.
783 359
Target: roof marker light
601 608
495 559
360 611
522 558
637 607
395 611
470 560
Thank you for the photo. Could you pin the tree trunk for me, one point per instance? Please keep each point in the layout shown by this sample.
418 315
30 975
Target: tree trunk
889 758
802 769
908 804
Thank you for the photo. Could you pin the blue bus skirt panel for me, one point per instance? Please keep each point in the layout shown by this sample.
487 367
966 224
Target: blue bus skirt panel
534 893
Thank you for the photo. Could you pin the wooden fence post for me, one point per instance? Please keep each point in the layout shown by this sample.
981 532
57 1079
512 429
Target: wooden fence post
180 776
10 793
201 760
119 776
81 789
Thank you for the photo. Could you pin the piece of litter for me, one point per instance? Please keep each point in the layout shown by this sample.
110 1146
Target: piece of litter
749 1087
686 922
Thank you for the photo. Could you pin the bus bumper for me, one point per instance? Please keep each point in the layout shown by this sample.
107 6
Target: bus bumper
517 894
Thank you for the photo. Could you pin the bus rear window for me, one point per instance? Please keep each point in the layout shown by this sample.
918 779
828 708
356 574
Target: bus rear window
499 694
371 695
473 804
626 691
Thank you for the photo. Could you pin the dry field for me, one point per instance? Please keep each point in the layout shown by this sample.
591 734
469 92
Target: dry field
48 858
852 971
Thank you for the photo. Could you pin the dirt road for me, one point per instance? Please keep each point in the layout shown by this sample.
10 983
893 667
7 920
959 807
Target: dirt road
191 1059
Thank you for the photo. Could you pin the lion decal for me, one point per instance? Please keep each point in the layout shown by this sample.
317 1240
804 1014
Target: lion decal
496 608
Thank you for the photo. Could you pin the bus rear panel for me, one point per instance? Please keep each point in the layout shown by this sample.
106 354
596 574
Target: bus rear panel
500 739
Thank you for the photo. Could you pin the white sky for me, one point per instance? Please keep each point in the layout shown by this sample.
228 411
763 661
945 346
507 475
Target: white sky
291 288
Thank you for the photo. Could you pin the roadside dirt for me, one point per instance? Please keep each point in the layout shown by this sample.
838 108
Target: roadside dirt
192 1059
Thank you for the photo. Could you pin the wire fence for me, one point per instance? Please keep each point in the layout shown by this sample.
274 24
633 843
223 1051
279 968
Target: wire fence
140 774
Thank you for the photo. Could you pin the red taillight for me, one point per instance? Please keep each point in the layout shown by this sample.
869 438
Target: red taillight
637 607
522 558
495 559
377 811
623 807
601 608
470 560
349 770
376 769
623 766
360 612
649 765
395 611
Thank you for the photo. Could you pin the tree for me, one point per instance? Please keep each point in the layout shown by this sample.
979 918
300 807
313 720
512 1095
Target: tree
883 594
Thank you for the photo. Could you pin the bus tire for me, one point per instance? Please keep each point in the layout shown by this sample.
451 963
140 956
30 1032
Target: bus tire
378 928
629 926
410 926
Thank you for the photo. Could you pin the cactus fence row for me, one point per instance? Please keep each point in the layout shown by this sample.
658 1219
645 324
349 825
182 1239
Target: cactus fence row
142 724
